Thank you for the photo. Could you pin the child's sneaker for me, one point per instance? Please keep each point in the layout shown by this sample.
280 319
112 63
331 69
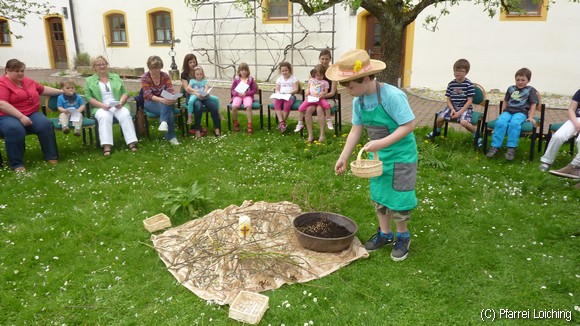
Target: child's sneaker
174 141
65 129
378 240
299 127
479 142
432 134
282 126
510 154
329 124
492 151
401 248
544 167
77 132
163 126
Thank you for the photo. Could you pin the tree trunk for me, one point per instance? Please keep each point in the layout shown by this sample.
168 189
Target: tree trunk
392 34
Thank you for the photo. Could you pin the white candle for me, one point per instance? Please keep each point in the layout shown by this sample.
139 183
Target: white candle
244 226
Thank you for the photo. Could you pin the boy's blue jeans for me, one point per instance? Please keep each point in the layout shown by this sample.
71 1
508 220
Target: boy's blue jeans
165 113
14 137
512 125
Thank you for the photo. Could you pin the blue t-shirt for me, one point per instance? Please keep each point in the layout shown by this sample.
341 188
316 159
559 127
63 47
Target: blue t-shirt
459 92
198 85
61 102
394 102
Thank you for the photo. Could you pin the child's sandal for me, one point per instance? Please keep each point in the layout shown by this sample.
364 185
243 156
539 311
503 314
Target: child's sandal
250 131
236 127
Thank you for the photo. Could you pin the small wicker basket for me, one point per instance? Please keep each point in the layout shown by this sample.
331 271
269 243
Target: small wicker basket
366 168
157 222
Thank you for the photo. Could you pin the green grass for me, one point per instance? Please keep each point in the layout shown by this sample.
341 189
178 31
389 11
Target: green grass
487 234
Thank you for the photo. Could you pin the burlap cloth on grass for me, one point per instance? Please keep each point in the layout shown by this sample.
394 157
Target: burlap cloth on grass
209 258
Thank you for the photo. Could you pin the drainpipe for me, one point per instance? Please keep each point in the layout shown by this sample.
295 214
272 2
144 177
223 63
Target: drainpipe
74 25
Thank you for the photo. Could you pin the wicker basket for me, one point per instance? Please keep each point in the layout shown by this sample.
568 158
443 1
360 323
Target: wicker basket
248 307
366 168
157 222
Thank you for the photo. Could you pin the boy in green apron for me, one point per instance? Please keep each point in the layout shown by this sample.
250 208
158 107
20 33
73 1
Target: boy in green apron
383 110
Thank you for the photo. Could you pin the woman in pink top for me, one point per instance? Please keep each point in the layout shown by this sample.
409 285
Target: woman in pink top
19 104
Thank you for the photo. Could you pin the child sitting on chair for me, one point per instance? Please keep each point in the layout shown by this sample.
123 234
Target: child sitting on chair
459 94
198 98
67 101
518 107
245 97
317 89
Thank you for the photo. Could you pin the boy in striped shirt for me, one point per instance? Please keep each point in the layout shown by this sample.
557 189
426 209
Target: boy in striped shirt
459 95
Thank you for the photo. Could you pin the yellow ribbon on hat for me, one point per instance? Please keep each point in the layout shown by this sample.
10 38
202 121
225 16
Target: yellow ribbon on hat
357 66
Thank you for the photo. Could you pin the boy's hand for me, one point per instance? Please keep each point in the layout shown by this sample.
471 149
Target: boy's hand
340 167
373 146
532 120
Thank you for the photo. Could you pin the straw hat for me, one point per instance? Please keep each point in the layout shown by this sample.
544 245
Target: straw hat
354 64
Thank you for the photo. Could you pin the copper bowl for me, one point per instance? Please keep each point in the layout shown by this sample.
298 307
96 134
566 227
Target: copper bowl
324 244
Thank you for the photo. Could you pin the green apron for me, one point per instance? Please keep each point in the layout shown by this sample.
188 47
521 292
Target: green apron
395 188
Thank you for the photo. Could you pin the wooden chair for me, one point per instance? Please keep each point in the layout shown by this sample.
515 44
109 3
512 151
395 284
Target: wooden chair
43 110
479 99
257 104
143 116
115 122
532 131
552 128
182 105
51 103
294 107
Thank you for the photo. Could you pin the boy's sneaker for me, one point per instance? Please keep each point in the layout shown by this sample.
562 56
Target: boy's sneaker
329 124
479 142
77 132
378 240
510 154
299 127
569 171
544 167
173 141
65 129
432 135
401 248
163 126
492 151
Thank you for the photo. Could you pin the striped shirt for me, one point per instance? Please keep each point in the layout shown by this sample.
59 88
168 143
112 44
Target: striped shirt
459 92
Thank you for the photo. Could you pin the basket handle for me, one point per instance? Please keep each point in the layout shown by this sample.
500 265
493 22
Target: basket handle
376 158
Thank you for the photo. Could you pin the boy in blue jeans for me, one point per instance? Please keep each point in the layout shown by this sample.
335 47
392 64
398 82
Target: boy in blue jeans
459 93
383 110
519 106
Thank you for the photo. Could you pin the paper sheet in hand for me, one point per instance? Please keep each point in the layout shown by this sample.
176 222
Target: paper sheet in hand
312 99
242 87
75 115
165 94
204 93
279 96
114 103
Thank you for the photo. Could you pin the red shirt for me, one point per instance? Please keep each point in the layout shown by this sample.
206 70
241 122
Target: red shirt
25 99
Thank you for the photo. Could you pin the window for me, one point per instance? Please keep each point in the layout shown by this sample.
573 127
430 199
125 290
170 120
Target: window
161 23
530 10
117 29
277 11
5 39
